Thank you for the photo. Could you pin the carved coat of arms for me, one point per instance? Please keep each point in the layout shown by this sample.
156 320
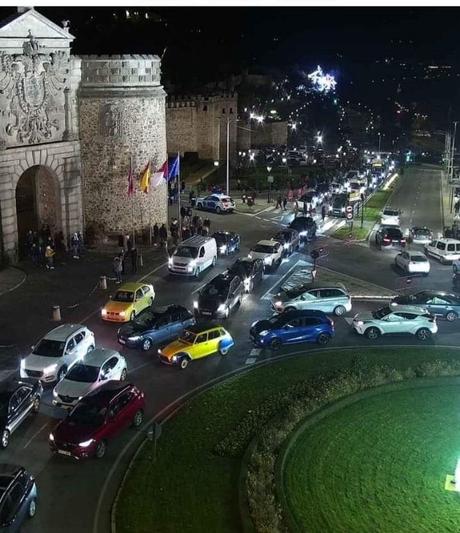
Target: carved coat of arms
29 81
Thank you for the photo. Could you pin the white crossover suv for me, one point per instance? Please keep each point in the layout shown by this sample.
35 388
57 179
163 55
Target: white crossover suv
59 349
413 263
389 217
271 253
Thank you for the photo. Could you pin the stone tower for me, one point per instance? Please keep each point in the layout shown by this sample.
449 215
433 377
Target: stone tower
122 122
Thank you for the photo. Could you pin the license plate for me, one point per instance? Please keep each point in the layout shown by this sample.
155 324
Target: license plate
207 313
122 341
64 452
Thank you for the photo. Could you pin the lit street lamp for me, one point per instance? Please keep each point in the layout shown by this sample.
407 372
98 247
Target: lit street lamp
270 181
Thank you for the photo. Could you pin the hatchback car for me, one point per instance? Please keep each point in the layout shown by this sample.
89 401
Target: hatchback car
228 242
438 303
219 203
305 226
96 419
17 400
292 328
327 299
94 370
59 349
151 327
445 250
220 296
289 238
419 235
129 300
18 497
196 342
414 320
271 253
390 217
251 271
413 263
389 236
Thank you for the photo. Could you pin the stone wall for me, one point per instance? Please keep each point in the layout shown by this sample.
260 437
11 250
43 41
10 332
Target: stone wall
260 135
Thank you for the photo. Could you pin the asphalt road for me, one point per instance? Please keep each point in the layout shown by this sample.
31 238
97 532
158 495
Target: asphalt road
77 496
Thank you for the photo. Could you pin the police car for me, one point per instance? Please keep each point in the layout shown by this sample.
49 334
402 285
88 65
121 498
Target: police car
219 203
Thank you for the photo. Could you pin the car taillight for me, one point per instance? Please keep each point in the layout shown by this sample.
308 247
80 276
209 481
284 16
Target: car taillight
403 240
386 240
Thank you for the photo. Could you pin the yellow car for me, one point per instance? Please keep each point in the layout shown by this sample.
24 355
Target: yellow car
197 341
129 300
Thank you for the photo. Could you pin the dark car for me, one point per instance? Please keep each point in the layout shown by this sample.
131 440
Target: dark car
220 296
291 328
251 271
390 236
17 400
18 497
438 303
227 242
151 327
97 418
289 238
339 205
305 226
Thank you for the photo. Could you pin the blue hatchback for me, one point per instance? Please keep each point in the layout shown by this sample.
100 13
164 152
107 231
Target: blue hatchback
291 328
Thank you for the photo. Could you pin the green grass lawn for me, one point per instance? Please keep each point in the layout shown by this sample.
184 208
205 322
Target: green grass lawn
357 232
379 465
189 488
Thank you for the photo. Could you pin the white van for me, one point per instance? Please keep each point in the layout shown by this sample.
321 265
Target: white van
446 250
193 255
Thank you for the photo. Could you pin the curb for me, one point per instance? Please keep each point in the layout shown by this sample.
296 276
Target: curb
24 277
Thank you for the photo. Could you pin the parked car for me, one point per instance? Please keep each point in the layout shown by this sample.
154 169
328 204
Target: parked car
99 366
333 299
289 238
414 320
219 203
306 227
196 342
419 235
129 300
439 303
193 256
17 400
291 328
151 327
413 263
389 237
271 253
59 349
220 296
390 217
227 242
96 419
251 271
18 497
445 250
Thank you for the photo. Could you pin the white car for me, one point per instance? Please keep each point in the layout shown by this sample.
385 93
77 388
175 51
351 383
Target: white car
271 253
98 367
446 250
389 217
59 349
219 203
414 320
413 263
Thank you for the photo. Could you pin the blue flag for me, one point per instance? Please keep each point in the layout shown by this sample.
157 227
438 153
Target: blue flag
174 169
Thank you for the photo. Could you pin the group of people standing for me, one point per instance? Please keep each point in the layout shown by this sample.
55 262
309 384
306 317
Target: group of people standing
41 247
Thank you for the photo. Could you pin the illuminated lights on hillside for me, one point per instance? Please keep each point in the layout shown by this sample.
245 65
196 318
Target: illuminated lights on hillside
321 81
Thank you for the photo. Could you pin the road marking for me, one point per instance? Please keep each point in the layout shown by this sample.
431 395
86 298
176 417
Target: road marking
255 351
35 434
349 320
250 360
300 261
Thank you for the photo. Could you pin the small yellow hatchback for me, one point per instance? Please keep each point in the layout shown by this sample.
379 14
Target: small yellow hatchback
129 300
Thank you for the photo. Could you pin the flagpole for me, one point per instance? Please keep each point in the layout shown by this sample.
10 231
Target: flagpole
178 196
132 201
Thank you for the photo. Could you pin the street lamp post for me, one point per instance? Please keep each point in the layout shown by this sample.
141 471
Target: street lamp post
269 178
380 139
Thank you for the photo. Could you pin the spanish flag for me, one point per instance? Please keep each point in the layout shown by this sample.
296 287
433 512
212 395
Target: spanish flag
145 178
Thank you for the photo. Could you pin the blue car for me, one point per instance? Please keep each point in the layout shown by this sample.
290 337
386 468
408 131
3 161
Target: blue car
152 327
18 497
291 328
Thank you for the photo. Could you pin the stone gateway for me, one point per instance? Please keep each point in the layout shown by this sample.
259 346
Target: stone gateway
70 129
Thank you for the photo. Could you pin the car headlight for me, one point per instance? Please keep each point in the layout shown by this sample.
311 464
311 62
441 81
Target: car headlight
222 308
159 351
55 394
303 233
263 333
122 314
192 263
286 246
23 364
195 304
86 443
170 261
250 255
342 209
104 311
223 248
174 358
51 437
267 260
135 338
49 369
247 283
279 303
359 323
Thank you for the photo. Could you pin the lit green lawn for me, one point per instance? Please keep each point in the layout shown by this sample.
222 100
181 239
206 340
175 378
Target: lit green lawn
379 465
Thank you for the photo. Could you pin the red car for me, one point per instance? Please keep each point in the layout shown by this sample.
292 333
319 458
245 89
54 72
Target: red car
98 417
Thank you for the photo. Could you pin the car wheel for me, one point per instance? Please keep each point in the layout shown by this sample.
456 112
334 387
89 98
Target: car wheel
101 448
222 350
36 404
339 310
218 210
90 349
138 418
372 333
323 339
32 509
124 373
5 439
61 374
451 316
442 261
184 362
146 345
275 344
132 316
289 309
423 334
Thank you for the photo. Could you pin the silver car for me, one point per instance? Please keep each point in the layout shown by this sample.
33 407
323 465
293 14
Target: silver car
334 299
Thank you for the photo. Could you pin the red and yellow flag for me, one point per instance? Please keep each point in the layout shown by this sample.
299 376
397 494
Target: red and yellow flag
145 178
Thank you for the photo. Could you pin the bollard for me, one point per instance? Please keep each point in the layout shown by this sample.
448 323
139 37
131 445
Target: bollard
141 260
103 283
56 313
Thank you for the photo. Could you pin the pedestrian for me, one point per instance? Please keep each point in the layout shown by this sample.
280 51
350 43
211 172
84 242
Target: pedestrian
117 268
35 254
278 202
296 208
122 256
284 203
323 212
49 257
74 243
183 212
133 255
238 184
182 186
207 224
156 233
163 234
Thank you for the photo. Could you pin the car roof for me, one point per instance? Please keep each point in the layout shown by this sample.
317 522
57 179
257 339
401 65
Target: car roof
302 312
448 241
336 285
63 332
98 356
106 392
226 275
437 293
204 327
268 242
196 240
132 286
416 309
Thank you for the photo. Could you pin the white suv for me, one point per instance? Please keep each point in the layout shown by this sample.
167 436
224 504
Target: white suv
53 355
414 320
271 253
219 203
389 217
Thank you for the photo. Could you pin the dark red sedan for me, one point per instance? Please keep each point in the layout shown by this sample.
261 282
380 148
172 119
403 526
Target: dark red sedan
96 419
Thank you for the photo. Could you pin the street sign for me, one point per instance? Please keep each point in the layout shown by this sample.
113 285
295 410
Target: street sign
349 208
349 216
270 179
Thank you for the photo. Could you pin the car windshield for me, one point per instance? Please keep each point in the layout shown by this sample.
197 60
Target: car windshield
188 337
49 348
186 251
295 291
422 231
87 414
244 267
263 249
380 313
216 287
146 318
123 296
391 213
393 232
418 258
83 373
282 236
